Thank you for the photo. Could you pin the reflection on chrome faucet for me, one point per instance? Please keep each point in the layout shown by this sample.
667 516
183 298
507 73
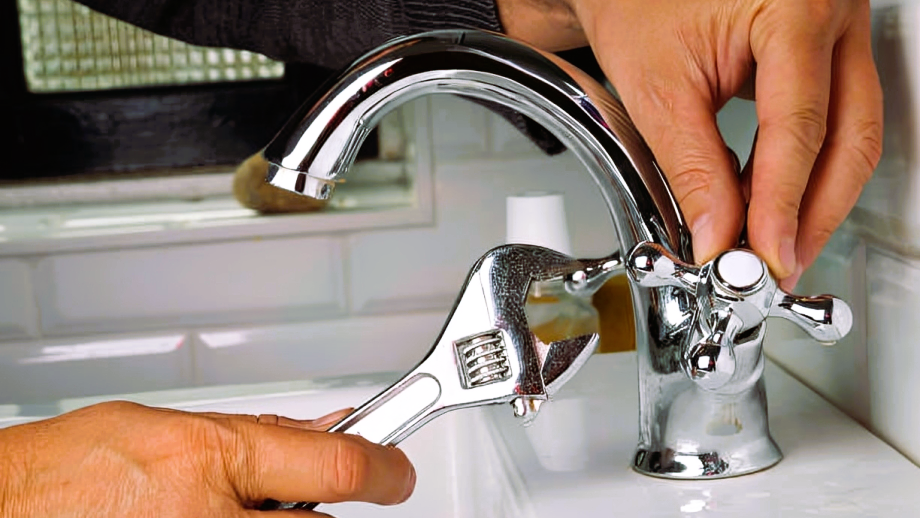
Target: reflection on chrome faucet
703 410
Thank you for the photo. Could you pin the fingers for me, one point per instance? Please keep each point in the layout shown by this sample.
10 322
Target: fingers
852 149
548 25
320 424
327 421
793 83
700 169
673 81
288 464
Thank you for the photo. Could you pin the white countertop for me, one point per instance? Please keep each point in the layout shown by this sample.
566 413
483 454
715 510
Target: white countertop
832 466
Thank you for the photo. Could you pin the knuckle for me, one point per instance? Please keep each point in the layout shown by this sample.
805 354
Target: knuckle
659 91
868 146
656 97
787 201
807 126
692 176
107 410
116 407
821 13
783 202
350 466
690 183
211 443
822 234
219 452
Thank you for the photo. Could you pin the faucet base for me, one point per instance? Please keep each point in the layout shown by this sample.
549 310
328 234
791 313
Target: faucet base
713 465
705 435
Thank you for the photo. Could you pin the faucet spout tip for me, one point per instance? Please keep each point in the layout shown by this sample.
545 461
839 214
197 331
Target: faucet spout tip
299 182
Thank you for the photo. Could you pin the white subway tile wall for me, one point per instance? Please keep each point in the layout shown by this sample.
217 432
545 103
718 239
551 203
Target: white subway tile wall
872 262
462 128
410 269
893 343
225 283
43 371
386 343
838 372
18 311
888 208
506 140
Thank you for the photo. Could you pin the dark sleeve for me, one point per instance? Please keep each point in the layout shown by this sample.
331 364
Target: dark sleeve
328 33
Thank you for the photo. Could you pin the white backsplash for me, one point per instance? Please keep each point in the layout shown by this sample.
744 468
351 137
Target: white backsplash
888 211
18 311
893 343
839 372
282 307
222 283
39 372
291 307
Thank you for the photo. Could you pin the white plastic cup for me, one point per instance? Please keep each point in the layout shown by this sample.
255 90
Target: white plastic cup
558 435
538 218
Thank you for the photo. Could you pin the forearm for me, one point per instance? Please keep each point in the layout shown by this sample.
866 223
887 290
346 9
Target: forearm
11 474
332 33
328 33
549 25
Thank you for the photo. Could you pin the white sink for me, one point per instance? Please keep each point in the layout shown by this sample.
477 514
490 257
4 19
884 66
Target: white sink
832 465
481 463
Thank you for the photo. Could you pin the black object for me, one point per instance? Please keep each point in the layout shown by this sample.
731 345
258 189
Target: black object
175 127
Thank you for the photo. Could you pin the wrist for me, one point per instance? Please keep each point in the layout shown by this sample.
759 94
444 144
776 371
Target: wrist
549 25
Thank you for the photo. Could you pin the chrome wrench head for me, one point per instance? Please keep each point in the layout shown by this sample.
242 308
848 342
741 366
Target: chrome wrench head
486 352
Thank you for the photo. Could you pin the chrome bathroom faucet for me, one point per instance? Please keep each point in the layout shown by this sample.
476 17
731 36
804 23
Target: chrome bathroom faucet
700 329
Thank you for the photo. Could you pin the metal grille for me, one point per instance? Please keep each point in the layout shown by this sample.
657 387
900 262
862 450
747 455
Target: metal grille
68 47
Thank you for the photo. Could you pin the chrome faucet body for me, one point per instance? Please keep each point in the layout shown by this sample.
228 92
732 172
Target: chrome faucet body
703 410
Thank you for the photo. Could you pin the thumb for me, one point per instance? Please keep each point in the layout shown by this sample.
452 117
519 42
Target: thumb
681 130
290 465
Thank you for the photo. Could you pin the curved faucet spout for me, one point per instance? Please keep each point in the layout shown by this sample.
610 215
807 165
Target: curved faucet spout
319 144
315 149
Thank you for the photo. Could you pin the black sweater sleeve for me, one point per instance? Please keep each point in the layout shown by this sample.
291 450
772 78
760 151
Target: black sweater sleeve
328 33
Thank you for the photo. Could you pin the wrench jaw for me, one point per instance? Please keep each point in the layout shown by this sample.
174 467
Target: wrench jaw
496 357
485 354
539 369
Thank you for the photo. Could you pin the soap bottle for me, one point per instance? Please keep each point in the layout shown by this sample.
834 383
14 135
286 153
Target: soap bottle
538 218
617 327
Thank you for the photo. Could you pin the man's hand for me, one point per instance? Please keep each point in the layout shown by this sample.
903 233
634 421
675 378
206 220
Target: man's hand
675 63
126 460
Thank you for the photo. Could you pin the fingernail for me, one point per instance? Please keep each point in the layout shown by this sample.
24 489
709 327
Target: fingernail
787 256
703 238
